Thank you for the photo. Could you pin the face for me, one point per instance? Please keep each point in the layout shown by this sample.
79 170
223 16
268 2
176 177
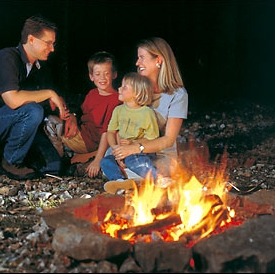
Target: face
103 76
126 92
43 46
146 64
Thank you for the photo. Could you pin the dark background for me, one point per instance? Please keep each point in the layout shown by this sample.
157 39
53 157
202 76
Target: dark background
225 49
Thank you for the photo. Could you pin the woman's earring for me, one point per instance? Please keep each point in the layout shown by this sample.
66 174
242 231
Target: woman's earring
157 65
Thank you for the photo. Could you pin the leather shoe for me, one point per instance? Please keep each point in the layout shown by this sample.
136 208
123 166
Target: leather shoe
18 171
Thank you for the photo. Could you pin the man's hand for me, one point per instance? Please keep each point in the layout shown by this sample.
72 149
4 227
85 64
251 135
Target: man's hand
59 103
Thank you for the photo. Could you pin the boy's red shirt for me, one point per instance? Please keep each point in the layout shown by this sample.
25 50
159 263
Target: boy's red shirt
97 111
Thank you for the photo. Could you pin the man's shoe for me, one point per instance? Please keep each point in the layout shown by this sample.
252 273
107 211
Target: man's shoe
18 172
119 186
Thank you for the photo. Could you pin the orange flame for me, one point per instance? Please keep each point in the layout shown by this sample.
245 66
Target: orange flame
201 207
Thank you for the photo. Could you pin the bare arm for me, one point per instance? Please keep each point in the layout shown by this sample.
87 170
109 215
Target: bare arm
15 99
94 167
172 130
112 138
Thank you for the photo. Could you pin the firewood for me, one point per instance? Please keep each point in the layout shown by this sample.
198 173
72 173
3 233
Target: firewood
157 225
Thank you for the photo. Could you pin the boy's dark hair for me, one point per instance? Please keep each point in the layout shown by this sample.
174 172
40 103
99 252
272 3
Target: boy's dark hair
102 57
35 25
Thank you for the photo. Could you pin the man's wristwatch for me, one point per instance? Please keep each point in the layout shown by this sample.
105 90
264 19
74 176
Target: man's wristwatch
141 147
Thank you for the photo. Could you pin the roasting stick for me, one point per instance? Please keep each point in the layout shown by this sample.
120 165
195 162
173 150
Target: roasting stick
54 176
245 191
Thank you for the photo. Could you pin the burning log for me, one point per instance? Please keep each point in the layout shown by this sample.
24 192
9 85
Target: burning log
214 199
207 225
161 210
158 225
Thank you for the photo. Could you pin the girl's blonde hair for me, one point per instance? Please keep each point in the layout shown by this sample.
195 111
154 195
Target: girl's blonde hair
169 77
142 87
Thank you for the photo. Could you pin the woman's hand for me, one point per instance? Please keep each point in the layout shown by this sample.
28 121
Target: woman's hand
122 151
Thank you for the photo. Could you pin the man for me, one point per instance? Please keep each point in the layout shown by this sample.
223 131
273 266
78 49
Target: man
26 89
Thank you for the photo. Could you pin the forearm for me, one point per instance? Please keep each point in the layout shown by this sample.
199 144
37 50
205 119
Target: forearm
112 139
15 99
39 95
152 146
103 145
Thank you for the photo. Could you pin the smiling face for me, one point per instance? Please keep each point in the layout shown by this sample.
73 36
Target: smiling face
103 77
146 64
40 48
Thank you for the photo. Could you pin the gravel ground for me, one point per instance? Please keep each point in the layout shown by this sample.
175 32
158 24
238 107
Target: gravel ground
245 129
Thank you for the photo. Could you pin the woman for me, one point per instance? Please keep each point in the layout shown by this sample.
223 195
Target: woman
157 61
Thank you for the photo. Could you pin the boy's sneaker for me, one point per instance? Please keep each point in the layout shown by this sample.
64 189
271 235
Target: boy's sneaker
18 172
119 186
53 129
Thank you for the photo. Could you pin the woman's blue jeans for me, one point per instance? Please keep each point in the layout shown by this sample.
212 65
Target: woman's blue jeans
139 163
18 128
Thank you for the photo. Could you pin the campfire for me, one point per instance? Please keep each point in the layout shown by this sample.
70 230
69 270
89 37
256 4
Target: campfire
192 206
188 209
189 223
183 211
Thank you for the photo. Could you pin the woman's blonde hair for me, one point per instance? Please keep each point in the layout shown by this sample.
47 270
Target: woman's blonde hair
142 87
169 77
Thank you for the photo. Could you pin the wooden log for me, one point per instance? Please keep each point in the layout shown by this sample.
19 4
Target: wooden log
158 225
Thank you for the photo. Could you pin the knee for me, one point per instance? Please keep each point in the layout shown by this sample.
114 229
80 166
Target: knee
103 162
140 161
106 160
35 112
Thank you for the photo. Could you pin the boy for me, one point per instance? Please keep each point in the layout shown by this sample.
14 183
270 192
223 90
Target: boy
96 111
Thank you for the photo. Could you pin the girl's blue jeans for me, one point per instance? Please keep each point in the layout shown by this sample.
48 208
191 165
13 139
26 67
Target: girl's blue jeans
18 128
139 163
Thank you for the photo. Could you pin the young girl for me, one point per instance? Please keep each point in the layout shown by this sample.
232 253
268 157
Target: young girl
131 122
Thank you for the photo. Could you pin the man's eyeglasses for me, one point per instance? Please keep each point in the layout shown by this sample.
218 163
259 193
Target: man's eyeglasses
49 43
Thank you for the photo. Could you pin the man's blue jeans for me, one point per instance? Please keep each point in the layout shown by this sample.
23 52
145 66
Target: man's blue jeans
18 128
139 163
